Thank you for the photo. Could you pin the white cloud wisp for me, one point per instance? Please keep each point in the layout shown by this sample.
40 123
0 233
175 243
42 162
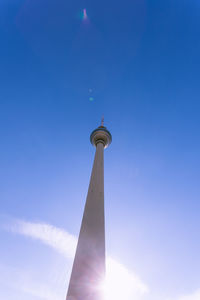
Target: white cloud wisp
58 239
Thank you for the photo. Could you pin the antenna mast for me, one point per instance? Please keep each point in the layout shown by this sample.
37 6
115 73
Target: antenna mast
102 121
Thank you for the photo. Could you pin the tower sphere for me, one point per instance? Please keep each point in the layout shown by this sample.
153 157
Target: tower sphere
101 135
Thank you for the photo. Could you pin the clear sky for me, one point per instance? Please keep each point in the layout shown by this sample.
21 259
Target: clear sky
137 62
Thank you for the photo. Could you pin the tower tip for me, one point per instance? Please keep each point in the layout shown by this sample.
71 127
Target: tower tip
102 121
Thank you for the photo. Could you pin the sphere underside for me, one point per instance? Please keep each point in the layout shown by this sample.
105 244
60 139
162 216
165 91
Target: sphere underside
101 135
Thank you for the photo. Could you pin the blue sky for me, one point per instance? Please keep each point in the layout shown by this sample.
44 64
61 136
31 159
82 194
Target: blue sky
139 61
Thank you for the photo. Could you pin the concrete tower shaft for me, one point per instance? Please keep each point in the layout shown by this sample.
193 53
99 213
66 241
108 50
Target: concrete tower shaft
88 269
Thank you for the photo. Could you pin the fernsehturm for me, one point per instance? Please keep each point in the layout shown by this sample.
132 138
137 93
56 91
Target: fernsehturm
88 269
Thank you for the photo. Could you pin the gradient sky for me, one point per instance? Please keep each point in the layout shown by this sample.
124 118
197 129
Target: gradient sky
137 62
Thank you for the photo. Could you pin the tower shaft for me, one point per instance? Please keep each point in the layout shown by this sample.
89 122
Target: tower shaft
89 263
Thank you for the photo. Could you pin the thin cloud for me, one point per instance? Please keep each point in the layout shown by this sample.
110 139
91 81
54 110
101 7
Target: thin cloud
65 244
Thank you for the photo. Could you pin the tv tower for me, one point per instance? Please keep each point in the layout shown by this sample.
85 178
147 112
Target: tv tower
88 269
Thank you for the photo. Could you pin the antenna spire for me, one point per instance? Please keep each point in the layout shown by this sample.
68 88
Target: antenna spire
102 121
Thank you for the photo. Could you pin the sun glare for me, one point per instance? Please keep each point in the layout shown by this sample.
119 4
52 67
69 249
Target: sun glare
120 283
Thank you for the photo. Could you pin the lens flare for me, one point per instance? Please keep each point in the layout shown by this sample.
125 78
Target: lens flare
85 14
